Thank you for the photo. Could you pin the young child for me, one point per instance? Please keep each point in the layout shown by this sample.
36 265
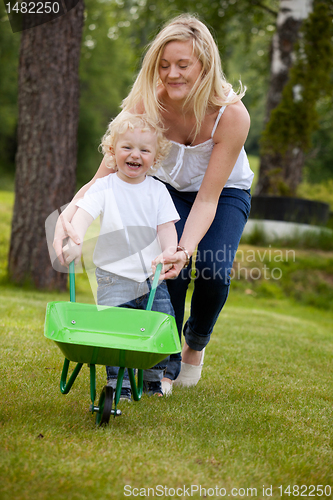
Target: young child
137 222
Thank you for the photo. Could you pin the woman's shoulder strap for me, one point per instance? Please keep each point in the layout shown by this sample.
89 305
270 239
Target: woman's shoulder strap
217 120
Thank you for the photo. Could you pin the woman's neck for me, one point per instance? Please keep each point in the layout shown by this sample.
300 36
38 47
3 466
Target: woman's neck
178 107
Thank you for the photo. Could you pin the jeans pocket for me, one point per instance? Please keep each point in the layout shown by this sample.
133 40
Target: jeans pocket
104 278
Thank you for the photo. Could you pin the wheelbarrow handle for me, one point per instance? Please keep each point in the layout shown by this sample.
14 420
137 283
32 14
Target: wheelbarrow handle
154 286
72 281
151 295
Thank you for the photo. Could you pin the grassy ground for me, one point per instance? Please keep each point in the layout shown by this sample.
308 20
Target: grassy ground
260 417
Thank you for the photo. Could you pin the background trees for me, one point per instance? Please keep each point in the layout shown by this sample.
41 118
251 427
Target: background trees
301 64
107 68
115 34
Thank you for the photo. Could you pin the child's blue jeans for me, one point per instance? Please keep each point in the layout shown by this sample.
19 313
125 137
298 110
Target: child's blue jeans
213 264
113 290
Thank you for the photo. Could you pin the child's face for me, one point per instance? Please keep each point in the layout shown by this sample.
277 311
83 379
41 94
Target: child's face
135 153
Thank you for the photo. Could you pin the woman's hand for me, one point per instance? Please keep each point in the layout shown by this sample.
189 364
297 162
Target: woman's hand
63 230
172 264
165 267
177 262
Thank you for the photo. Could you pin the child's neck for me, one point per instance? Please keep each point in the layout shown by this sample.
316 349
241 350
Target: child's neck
128 180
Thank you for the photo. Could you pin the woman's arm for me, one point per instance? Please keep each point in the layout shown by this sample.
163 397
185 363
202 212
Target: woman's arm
64 227
229 139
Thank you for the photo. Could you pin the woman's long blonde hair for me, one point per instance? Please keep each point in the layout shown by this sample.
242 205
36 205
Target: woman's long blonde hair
212 89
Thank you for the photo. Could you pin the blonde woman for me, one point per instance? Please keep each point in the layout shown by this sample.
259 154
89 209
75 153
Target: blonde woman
181 87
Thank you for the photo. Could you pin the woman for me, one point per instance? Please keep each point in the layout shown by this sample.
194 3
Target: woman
181 86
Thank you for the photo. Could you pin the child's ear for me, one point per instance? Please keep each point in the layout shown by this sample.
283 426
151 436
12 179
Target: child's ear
157 159
155 165
111 150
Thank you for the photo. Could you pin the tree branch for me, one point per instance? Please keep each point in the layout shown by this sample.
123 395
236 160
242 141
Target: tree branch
256 3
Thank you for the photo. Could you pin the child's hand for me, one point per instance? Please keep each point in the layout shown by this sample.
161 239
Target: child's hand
63 230
71 252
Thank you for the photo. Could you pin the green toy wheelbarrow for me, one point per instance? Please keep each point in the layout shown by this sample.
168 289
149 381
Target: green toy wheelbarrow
115 336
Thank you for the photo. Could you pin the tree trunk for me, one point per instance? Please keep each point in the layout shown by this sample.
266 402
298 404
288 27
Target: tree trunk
47 142
280 173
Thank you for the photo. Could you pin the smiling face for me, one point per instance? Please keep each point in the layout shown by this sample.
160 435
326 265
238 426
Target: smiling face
135 152
179 69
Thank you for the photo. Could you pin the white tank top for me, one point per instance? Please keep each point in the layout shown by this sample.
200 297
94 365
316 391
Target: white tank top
185 166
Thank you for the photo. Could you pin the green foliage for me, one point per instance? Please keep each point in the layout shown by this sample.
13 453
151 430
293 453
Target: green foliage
319 164
293 121
9 50
316 191
6 210
231 22
249 62
106 73
256 237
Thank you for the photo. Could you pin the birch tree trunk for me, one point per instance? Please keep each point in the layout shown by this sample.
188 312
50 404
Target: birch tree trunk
47 142
281 173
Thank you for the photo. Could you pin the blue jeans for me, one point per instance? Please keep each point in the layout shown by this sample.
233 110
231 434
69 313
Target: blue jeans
113 290
215 256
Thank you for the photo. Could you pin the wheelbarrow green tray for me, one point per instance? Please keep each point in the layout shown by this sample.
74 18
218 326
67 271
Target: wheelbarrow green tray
113 336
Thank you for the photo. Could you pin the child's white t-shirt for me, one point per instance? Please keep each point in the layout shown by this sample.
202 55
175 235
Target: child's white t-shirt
130 214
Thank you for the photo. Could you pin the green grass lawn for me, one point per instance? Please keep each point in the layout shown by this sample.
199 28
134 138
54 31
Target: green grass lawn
260 417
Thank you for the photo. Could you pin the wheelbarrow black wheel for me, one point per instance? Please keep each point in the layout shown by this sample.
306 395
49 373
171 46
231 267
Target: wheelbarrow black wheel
104 406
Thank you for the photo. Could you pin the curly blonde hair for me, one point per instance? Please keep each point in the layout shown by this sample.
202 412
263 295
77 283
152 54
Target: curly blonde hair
129 121
212 88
